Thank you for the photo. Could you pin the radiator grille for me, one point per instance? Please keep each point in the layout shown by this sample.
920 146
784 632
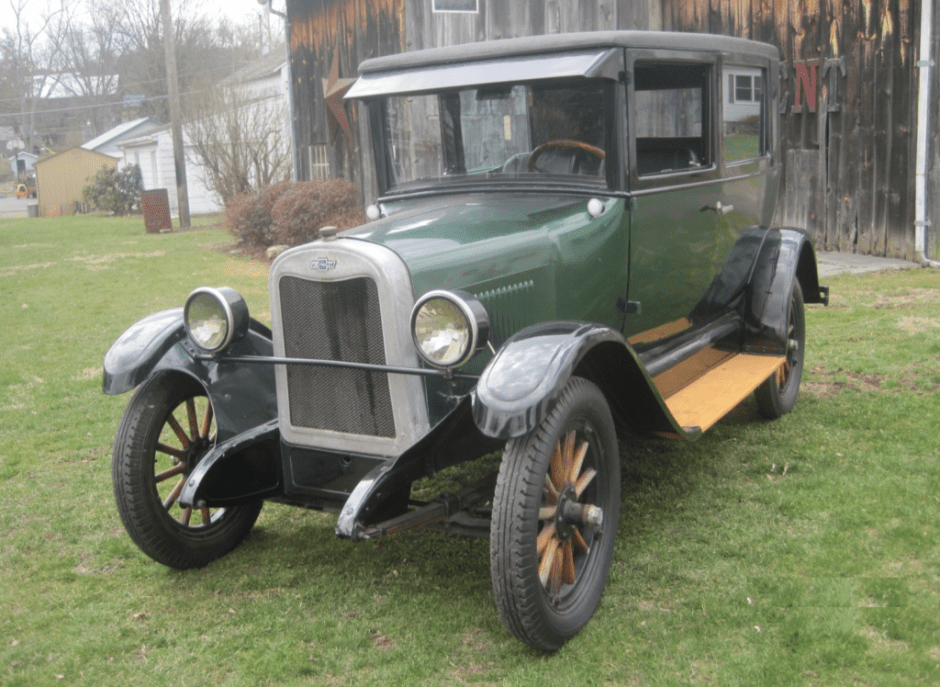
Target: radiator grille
335 321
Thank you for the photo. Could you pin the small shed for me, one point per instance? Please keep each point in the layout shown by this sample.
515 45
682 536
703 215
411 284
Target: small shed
61 178
22 164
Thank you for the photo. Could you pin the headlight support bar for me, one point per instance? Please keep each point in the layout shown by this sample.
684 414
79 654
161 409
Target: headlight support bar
271 360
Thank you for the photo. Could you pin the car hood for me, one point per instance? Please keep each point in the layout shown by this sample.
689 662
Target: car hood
478 241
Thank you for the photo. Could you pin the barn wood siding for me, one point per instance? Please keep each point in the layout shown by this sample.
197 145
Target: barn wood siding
361 29
850 176
358 30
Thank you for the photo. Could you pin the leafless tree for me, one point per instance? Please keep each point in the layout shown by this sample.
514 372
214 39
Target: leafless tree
90 53
30 49
240 139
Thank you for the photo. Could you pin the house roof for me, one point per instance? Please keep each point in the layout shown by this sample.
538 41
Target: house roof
267 65
73 151
117 132
146 138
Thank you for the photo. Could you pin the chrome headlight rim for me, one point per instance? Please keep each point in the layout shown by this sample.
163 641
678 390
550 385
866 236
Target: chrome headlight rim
233 309
475 317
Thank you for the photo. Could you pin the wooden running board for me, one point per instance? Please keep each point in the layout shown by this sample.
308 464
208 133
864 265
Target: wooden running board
713 395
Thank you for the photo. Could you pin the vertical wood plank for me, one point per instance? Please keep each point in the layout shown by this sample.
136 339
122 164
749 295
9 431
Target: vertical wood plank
899 236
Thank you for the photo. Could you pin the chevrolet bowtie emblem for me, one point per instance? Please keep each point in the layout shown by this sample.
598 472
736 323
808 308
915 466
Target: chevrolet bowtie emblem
323 264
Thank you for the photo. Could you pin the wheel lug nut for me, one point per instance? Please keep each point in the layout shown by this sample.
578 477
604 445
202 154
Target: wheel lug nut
592 515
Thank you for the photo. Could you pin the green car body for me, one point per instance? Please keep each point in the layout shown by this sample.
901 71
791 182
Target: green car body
571 245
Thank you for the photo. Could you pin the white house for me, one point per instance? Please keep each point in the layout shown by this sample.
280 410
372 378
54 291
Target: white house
153 152
109 143
265 81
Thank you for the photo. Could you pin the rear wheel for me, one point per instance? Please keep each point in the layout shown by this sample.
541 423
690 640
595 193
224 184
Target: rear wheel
555 514
167 428
777 395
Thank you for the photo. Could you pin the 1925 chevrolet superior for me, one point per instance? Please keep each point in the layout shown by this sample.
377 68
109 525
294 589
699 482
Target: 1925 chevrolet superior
571 246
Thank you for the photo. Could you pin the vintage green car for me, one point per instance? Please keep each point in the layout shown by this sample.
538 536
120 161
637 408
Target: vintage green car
571 247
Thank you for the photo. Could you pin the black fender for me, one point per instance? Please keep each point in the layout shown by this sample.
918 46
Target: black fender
786 254
522 382
245 468
453 440
243 396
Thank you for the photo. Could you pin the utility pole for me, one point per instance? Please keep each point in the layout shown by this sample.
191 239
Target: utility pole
179 153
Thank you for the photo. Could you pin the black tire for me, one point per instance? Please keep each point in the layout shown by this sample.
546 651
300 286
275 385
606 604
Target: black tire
166 428
547 611
777 396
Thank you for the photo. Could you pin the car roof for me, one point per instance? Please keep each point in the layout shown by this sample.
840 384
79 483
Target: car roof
555 43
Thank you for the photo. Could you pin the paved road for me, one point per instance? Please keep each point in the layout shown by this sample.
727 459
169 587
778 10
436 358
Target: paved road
15 207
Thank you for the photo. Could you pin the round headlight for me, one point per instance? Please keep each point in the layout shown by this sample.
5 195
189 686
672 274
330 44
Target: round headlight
215 318
449 327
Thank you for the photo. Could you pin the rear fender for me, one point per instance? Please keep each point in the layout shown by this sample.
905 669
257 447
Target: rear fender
242 396
785 255
523 381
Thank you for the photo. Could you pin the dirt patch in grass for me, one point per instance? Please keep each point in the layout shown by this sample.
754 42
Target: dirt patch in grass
96 261
382 642
16 269
918 325
828 384
880 642
910 299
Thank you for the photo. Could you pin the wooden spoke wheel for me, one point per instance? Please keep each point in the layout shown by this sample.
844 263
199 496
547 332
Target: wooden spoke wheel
777 395
555 514
167 428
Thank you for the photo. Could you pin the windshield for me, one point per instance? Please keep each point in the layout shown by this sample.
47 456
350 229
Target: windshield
502 132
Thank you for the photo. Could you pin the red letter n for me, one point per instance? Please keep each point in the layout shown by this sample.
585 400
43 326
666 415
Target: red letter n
805 82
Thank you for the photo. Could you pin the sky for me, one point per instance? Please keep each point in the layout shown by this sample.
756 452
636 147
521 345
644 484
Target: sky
237 10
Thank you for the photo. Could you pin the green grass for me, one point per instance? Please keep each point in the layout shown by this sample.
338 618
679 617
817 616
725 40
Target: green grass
799 552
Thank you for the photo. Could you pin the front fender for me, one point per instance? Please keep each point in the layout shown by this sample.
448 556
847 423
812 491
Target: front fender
522 383
134 355
243 396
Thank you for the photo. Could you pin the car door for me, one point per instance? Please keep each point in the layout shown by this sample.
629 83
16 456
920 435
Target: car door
749 170
675 187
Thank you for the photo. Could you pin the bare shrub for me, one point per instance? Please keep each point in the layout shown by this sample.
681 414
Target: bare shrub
239 139
248 215
309 205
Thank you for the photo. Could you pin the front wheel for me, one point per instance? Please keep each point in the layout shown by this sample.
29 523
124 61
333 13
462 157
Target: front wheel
167 428
555 515
777 396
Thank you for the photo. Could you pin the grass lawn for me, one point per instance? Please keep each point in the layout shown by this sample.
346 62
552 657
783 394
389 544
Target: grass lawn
804 551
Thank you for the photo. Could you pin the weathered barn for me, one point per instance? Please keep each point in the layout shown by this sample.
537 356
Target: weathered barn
853 74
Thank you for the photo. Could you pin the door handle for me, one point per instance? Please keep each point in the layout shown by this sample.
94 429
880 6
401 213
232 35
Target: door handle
718 208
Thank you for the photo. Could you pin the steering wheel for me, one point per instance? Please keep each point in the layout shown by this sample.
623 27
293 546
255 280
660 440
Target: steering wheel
564 143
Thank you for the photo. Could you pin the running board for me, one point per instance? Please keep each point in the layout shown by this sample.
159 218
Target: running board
701 404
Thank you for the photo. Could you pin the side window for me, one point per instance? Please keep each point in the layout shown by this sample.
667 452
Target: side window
744 113
672 102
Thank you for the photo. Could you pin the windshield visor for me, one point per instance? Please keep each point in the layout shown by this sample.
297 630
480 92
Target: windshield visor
526 133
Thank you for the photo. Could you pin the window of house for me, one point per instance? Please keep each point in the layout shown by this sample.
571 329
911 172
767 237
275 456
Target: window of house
745 88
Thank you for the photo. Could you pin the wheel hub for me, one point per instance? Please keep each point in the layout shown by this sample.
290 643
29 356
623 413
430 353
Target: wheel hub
197 450
569 514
